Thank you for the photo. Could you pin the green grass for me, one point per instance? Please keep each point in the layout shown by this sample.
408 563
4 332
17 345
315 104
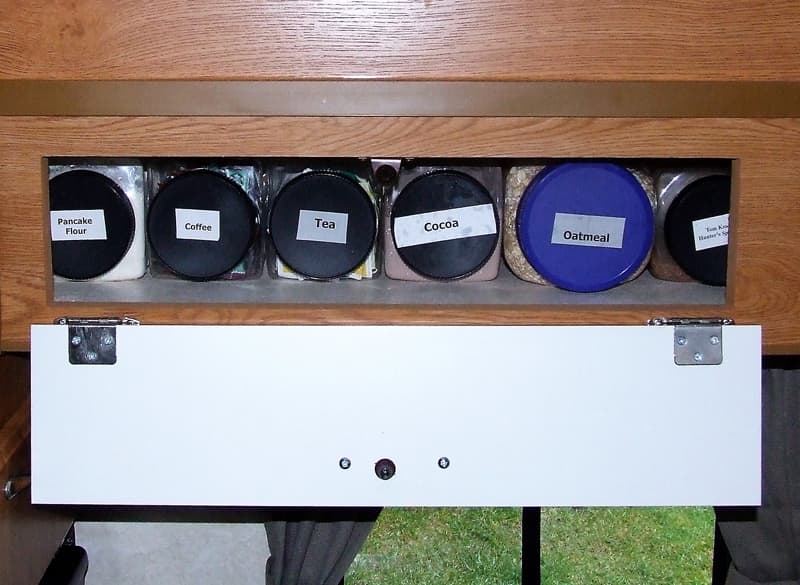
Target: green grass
481 546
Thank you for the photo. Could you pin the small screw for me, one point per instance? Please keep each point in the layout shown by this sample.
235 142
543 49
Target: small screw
714 339
681 340
344 463
8 490
91 356
76 340
698 357
107 340
444 462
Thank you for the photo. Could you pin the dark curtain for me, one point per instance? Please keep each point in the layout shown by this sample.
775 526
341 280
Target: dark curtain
764 542
315 546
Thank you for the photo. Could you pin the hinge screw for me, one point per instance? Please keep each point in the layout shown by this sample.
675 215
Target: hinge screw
76 340
681 340
714 339
698 357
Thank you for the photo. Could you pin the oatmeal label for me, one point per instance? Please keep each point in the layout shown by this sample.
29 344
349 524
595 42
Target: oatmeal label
78 224
322 226
595 231
448 224
711 232
197 224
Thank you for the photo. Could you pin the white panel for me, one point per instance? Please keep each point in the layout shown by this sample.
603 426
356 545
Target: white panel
261 416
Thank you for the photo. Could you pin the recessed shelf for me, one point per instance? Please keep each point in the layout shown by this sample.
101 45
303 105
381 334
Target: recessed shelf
505 290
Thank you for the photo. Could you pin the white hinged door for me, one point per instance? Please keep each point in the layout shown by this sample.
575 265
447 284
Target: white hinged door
464 416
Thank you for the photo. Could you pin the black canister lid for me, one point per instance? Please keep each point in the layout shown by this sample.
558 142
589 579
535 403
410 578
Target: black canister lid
445 225
323 224
696 229
92 224
201 224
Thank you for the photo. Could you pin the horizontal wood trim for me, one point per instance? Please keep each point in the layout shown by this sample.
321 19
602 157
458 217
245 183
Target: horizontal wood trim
400 98
763 279
374 39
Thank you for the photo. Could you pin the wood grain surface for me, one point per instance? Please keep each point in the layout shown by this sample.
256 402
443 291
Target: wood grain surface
414 39
28 536
766 207
14 433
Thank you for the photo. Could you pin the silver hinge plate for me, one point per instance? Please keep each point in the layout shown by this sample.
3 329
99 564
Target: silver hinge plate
93 340
696 342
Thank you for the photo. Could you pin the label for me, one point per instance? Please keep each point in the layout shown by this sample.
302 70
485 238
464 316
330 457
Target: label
710 232
322 226
78 224
594 231
197 224
448 224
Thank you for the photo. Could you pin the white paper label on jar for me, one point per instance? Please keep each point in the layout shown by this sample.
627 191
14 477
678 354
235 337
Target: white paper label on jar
595 231
78 224
710 232
197 224
322 226
447 224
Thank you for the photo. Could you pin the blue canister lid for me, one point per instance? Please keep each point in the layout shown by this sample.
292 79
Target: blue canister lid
585 226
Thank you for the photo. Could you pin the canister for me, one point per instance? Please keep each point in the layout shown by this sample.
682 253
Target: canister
97 221
444 224
692 224
583 226
203 221
323 223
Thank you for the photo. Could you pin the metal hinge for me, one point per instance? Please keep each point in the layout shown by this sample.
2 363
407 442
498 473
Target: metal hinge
696 342
93 340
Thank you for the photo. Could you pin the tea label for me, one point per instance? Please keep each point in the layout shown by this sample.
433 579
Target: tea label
322 226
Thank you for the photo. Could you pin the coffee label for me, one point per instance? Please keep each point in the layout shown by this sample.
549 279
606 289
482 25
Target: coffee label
78 224
197 224
322 226
448 224
710 232
595 231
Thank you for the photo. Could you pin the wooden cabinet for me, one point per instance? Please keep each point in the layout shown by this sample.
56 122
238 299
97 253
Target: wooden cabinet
29 536
464 79
420 79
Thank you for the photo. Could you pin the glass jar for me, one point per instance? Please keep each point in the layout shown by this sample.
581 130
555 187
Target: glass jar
97 221
444 223
692 224
581 226
323 223
204 219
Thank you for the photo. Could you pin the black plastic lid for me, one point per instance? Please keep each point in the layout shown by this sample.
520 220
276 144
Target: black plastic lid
443 191
702 199
203 191
89 190
336 239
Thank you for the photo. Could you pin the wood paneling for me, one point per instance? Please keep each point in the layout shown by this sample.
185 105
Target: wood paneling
13 385
28 536
417 39
764 285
